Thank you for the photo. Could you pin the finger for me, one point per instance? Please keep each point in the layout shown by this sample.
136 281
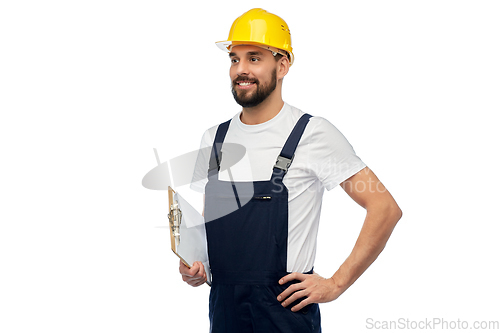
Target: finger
195 268
293 297
291 277
195 282
198 271
301 305
201 272
200 282
289 291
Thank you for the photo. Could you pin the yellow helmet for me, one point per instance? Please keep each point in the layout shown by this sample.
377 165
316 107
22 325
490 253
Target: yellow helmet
261 28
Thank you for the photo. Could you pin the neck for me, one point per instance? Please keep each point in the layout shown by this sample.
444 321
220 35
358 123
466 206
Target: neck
265 111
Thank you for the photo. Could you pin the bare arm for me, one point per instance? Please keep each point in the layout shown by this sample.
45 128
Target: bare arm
382 214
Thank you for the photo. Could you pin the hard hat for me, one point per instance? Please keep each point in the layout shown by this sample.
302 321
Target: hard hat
261 28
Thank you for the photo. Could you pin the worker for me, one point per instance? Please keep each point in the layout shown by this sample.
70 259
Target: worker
262 251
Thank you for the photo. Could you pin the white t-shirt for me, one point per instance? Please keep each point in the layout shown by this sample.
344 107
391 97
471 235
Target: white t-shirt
323 159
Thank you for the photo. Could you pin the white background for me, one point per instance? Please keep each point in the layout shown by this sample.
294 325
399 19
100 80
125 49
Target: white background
89 88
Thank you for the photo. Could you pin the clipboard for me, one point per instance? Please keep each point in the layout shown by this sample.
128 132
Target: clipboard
187 232
187 227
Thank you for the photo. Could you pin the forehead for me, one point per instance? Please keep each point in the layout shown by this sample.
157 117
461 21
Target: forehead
241 50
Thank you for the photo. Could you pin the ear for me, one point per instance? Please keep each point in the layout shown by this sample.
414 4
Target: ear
283 67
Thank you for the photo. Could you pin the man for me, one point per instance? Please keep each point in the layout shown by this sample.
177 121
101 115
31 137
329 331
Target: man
262 253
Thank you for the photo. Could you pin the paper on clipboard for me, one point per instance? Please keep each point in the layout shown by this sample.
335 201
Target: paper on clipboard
187 232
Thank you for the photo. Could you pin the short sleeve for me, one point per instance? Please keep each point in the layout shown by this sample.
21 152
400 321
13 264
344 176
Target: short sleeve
200 175
334 158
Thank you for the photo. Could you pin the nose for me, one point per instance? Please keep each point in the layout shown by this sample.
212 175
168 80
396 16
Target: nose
242 68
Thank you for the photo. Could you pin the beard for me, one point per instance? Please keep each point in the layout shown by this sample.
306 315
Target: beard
248 99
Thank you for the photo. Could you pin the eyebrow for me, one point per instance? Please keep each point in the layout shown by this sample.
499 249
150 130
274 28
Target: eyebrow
251 53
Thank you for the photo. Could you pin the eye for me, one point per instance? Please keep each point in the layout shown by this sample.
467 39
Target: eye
234 60
254 59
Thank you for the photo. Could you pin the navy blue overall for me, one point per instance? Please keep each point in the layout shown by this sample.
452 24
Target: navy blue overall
247 248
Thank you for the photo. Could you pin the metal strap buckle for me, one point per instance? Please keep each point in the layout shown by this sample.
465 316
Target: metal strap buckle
283 163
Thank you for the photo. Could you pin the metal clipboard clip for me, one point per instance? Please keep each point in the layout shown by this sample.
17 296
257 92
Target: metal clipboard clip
175 220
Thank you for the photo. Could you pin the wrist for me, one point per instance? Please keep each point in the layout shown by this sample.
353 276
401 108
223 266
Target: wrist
338 286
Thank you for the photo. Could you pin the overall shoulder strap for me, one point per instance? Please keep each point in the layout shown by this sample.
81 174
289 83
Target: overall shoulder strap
216 155
288 151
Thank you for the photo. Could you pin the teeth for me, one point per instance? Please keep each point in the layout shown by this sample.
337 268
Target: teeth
245 83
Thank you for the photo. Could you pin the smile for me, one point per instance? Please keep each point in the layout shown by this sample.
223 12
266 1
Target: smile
245 85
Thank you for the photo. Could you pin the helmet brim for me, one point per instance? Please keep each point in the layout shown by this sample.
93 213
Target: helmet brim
226 46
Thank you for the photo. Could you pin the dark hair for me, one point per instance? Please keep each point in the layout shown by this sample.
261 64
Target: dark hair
280 55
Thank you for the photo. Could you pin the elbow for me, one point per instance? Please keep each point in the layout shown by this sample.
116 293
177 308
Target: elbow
395 213
388 209
391 213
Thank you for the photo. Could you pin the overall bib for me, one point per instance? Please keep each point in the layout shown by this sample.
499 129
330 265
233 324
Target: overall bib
247 248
